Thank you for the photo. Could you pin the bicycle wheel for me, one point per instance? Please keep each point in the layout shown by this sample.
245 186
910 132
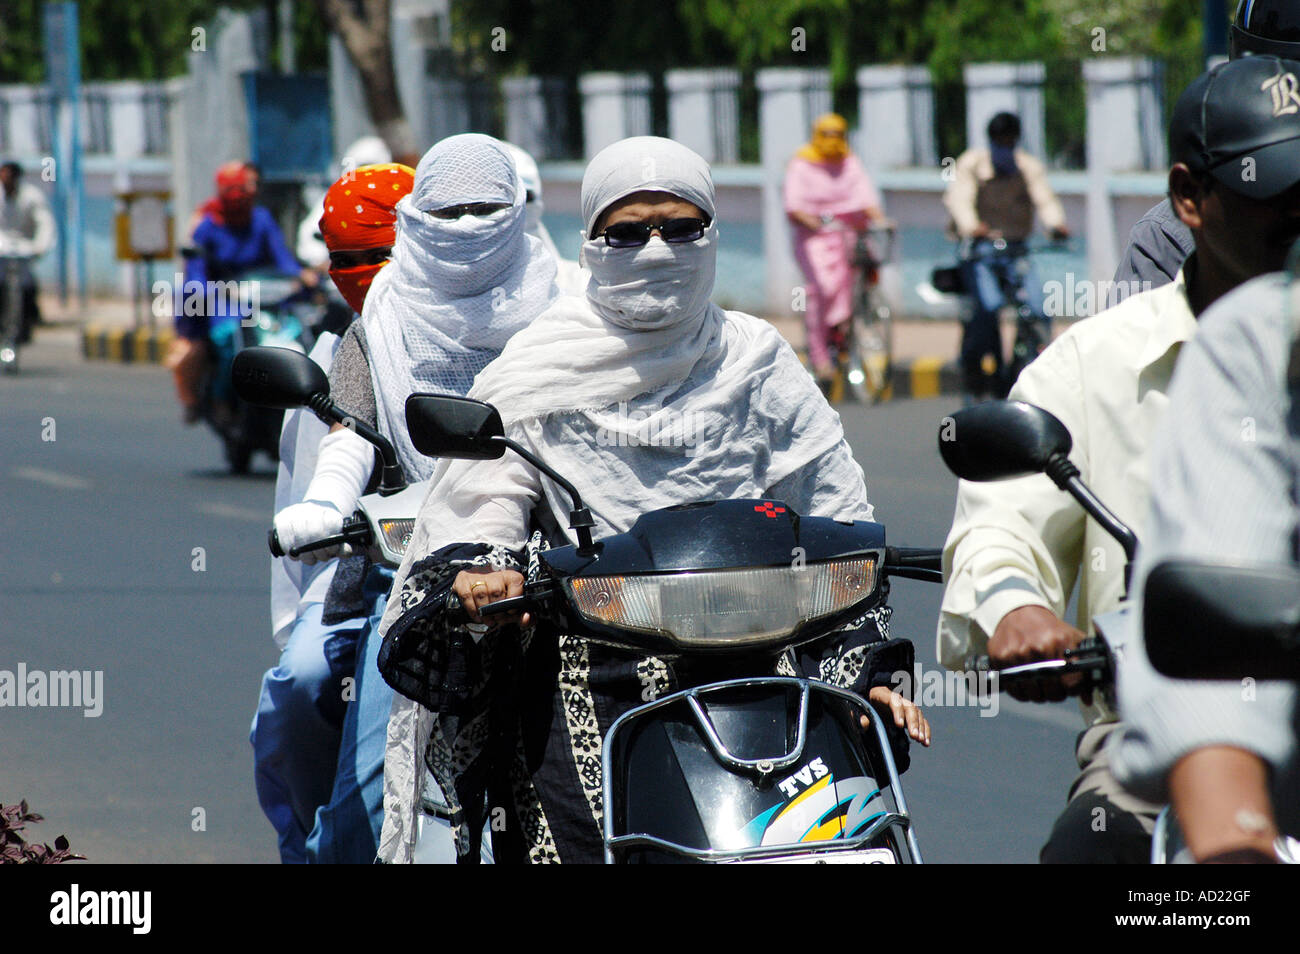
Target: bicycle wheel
1032 337
870 347
11 320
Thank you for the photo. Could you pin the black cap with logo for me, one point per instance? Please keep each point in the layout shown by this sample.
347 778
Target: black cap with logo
1240 122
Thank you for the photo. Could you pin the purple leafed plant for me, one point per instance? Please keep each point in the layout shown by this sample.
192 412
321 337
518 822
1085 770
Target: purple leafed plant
14 850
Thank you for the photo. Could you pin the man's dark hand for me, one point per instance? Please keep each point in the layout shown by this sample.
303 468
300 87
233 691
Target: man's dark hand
1033 634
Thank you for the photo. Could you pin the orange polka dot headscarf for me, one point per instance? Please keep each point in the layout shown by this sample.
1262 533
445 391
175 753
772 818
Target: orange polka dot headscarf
360 214
360 208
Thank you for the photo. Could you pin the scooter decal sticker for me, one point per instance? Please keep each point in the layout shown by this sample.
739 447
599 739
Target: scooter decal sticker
826 811
752 834
851 813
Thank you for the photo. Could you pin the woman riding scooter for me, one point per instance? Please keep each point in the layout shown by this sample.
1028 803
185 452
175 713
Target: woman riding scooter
735 414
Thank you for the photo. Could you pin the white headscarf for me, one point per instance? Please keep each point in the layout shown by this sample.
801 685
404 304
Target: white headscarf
456 289
646 355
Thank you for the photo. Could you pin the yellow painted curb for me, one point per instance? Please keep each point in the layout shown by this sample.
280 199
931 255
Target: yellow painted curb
90 341
925 377
113 344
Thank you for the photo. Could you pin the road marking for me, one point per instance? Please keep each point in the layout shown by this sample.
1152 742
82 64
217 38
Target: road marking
233 512
52 478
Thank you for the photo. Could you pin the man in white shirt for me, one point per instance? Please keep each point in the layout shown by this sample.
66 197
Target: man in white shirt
1017 547
26 233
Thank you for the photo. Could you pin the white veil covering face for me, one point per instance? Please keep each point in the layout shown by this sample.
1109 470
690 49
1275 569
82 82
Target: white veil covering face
644 395
647 341
456 289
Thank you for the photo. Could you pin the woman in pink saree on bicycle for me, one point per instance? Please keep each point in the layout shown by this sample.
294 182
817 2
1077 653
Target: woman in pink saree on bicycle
828 197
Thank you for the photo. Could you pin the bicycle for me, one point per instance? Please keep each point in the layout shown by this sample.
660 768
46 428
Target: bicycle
862 347
1032 333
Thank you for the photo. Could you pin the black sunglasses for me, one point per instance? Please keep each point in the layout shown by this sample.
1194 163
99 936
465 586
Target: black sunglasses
633 234
470 208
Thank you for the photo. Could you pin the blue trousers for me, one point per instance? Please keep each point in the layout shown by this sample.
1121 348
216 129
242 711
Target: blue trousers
985 277
347 828
298 726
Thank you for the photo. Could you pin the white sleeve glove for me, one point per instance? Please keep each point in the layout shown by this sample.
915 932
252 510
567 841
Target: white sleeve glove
306 522
343 466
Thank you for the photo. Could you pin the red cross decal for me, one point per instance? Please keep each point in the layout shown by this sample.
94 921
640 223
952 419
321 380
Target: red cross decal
769 509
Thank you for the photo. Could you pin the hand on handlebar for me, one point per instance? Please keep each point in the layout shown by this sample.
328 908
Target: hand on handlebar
305 522
478 587
1033 634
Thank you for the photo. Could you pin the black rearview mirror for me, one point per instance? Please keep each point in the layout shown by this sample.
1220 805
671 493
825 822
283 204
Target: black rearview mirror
1212 621
1001 439
442 425
277 377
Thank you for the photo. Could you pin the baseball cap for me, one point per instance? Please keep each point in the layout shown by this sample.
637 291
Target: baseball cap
1240 122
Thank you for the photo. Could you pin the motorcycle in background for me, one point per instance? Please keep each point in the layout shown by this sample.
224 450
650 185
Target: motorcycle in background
270 311
13 269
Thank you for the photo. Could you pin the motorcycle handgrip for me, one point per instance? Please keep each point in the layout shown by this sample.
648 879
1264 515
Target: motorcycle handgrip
514 604
1090 657
457 615
916 563
355 530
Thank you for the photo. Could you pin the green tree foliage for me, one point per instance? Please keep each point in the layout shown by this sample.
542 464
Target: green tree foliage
138 39
147 39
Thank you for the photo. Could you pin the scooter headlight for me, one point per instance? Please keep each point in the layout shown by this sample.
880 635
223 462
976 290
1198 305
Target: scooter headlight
397 534
740 608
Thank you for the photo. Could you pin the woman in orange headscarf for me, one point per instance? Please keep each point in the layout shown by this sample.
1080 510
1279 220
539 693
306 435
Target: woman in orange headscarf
298 728
359 225
824 183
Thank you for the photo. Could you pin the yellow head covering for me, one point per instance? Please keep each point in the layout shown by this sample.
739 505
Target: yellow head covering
829 141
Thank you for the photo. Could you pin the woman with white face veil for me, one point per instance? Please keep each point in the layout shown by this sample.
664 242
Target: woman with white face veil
464 277
645 395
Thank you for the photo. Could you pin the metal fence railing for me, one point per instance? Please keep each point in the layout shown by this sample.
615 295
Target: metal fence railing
157 122
96 123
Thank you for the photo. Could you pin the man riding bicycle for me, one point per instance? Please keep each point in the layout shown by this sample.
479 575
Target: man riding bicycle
992 201
26 233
